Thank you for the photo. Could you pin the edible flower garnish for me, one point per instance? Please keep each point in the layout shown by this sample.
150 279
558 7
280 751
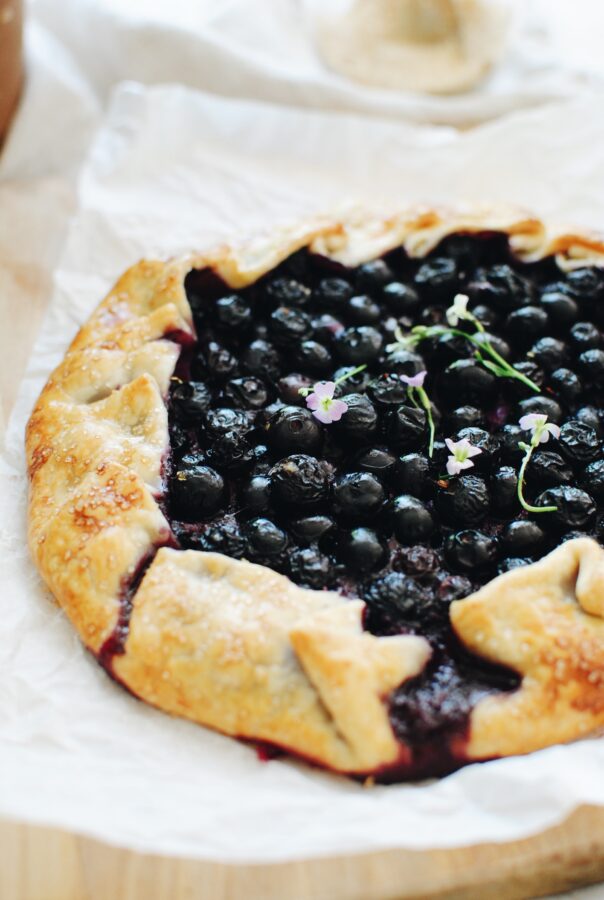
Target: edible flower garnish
415 385
320 398
461 453
541 430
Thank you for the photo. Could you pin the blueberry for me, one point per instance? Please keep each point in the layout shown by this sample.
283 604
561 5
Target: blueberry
256 495
400 299
420 561
412 474
591 365
313 357
566 385
356 346
359 422
504 487
516 389
561 309
362 310
357 495
299 479
197 491
265 539
311 529
332 295
548 469
549 353
292 429
494 341
387 390
215 362
412 521
586 283
465 501
246 393
326 327
541 404
575 508
233 312
287 292
222 420
578 442
509 437
407 428
356 383
522 537
261 358
466 381
223 538
311 568
465 417
396 595
288 326
438 278
486 315
585 336
378 460
372 276
230 450
499 286
453 587
190 399
593 479
470 550
511 563
486 443
526 324
589 415
361 550
290 387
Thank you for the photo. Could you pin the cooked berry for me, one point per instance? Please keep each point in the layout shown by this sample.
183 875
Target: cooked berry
356 346
292 429
486 443
420 561
311 529
311 568
526 324
566 385
197 490
465 501
326 327
464 417
522 537
578 442
313 357
372 276
246 393
447 349
224 538
470 550
299 479
256 495
586 284
378 460
561 309
224 419
351 383
288 326
575 508
549 353
395 594
357 495
511 563
591 417
548 469
453 587
214 362
359 422
591 365
265 539
230 450
411 519
362 310
261 358
437 278
501 287
509 437
593 479
585 336
361 550
539 403
412 474
233 312
400 299
497 343
191 400
290 386
466 381
504 488
287 292
517 389
405 362
332 295
486 315
406 427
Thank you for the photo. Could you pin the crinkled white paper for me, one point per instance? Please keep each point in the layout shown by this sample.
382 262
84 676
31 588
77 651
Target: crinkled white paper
170 171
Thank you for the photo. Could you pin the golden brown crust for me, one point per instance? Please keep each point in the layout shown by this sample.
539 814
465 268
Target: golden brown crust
233 645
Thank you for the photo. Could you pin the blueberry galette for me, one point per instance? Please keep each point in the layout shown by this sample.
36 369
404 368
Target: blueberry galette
342 491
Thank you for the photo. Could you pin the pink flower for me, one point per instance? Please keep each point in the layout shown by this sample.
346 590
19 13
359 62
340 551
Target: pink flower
461 451
539 427
414 381
324 407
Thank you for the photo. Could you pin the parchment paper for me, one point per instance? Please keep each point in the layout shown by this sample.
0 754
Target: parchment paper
172 170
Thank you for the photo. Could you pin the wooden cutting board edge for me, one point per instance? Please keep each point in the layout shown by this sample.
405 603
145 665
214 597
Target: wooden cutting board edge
39 863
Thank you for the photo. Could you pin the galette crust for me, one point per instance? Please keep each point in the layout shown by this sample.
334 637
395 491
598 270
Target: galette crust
233 645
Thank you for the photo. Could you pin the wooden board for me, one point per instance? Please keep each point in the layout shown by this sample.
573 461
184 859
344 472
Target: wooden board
46 864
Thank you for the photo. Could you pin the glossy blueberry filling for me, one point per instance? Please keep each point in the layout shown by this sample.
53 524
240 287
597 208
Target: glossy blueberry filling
358 505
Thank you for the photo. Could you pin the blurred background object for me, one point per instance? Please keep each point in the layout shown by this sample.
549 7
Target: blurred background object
11 59
433 46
